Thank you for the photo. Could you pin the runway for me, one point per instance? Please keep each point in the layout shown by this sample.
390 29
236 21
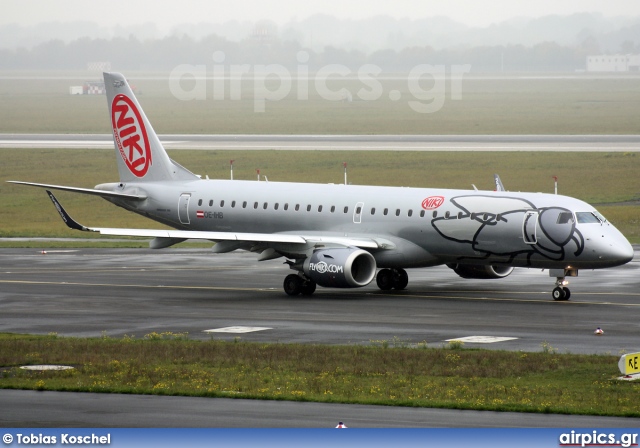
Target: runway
547 143
90 292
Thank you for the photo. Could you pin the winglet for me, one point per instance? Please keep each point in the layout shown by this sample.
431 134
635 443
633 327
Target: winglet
499 186
68 220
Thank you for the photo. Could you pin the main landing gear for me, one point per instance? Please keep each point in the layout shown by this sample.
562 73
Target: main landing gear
392 279
561 292
295 284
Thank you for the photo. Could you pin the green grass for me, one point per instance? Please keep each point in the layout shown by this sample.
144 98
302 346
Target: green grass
381 373
598 178
575 105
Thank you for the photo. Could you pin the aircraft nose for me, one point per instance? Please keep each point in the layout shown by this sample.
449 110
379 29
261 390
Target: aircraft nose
626 252
620 251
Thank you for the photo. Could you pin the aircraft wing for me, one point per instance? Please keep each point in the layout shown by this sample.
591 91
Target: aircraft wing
165 238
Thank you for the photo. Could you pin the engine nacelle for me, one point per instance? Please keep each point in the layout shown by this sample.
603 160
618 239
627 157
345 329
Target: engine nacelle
341 268
478 271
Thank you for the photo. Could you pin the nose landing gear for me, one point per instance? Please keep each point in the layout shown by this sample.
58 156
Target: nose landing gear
561 292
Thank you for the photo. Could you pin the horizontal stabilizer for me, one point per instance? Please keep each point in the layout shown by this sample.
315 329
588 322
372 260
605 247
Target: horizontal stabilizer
91 191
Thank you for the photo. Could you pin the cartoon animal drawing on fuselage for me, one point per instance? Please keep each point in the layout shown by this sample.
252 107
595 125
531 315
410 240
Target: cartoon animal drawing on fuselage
547 232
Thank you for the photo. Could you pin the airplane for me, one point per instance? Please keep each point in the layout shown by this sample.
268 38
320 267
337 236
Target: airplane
344 236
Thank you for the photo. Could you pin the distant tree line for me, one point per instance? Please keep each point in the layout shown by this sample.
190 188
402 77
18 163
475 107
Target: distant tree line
166 53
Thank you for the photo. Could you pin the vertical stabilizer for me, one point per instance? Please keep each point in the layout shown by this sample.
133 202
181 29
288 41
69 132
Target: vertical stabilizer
140 155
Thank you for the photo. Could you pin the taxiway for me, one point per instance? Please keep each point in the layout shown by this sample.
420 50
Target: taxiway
91 292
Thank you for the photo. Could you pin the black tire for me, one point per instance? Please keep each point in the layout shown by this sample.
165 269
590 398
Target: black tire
384 279
567 293
308 288
558 293
292 285
400 279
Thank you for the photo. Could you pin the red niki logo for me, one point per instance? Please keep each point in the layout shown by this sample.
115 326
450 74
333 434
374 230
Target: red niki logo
432 202
130 135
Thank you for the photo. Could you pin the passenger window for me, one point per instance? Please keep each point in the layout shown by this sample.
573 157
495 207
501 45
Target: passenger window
200 202
333 208
286 206
422 213
410 213
309 207
447 215
211 203
373 211
255 205
319 208
434 214
275 206
233 204
398 212
358 210
265 205
221 203
386 211
346 209
244 204
459 215
297 207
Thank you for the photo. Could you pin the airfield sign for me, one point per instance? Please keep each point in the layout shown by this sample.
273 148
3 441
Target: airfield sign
629 363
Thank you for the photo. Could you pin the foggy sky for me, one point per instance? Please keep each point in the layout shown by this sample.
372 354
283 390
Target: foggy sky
168 13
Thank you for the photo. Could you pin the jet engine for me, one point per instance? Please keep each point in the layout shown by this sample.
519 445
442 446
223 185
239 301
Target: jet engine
341 268
479 271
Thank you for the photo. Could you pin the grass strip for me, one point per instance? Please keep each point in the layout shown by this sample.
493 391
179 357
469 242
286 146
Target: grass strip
609 181
382 373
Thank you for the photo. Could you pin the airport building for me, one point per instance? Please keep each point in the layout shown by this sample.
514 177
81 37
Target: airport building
613 63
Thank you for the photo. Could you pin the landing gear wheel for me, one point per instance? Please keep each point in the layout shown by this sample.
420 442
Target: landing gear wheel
384 279
559 293
308 288
292 285
400 279
567 293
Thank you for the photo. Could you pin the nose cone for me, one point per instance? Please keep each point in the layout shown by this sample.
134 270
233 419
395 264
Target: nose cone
626 252
615 250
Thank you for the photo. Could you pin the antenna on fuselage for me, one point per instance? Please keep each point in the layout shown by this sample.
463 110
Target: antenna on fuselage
231 163
555 184
258 171
344 164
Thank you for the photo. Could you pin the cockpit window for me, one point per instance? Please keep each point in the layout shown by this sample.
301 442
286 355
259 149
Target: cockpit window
588 218
599 216
565 218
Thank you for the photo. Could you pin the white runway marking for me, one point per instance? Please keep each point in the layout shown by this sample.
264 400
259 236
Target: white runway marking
42 367
237 329
481 339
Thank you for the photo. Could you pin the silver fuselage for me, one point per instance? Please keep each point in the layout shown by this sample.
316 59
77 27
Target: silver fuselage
426 226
